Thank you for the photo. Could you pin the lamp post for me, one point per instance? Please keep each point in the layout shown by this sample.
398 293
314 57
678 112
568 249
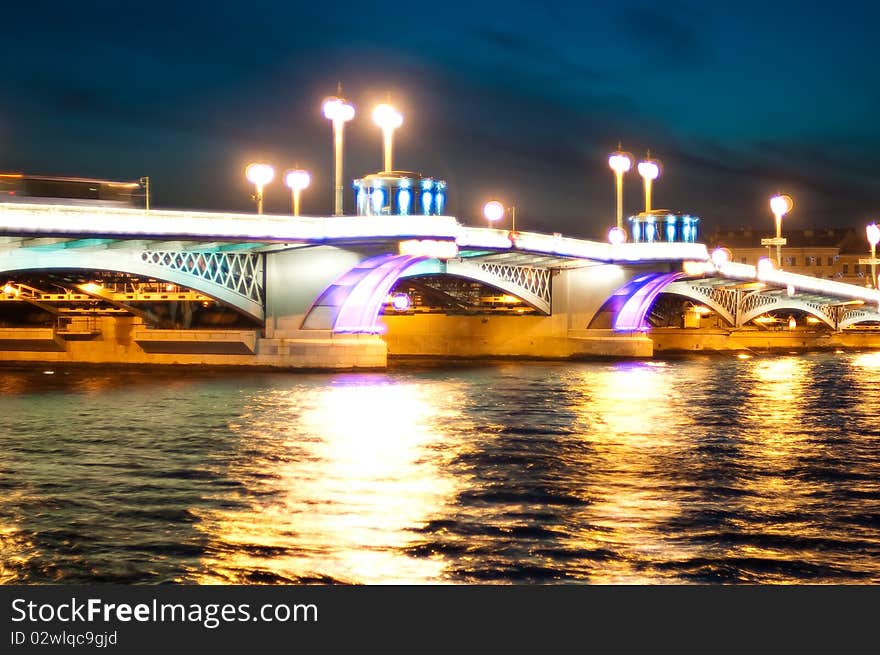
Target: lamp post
649 169
339 112
259 175
389 119
780 205
616 236
494 211
296 180
873 233
620 162
145 182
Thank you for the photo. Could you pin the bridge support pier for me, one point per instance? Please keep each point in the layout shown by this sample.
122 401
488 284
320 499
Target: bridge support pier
534 337
126 340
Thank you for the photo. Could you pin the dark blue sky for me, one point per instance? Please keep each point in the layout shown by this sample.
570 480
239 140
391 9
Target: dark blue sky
515 100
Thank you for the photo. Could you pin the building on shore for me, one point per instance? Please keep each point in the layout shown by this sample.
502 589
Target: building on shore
831 253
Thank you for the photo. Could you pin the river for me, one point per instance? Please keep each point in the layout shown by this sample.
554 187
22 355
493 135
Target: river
709 469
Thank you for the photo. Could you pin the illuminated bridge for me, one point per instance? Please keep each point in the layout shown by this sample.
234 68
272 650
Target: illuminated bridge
98 284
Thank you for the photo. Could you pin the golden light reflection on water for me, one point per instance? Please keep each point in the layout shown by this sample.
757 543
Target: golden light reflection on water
629 423
774 409
360 467
867 360
773 442
16 549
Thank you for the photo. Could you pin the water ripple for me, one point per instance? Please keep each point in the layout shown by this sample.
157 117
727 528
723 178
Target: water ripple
702 470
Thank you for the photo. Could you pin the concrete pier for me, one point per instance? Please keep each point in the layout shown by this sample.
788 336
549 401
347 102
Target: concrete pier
681 340
537 337
124 340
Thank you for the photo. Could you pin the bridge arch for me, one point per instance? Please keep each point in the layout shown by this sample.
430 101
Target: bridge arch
777 303
353 301
228 278
855 316
734 306
629 305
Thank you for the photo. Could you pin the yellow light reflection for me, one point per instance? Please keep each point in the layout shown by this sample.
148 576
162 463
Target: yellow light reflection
775 403
773 443
867 360
345 498
16 550
630 425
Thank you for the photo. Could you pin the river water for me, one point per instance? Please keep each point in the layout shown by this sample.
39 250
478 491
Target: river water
693 470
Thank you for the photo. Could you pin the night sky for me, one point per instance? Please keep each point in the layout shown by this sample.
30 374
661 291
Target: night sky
502 99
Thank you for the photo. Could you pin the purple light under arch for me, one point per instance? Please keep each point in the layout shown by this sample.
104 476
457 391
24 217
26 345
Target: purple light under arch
354 299
632 315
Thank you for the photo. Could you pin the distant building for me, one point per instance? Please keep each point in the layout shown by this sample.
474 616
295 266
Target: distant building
831 253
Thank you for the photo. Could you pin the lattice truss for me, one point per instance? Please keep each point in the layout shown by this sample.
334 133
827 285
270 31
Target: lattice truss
534 280
241 273
726 298
741 305
753 301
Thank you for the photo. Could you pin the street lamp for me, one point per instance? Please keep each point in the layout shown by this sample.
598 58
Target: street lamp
339 111
494 211
296 180
259 175
389 119
616 236
620 162
649 169
780 205
873 233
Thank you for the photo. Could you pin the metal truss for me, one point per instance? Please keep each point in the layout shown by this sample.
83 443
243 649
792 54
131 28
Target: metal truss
529 283
739 306
534 280
241 273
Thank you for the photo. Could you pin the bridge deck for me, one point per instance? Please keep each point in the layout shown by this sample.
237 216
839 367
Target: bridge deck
58 225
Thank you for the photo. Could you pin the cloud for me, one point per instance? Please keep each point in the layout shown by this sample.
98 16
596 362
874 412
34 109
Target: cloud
547 59
665 40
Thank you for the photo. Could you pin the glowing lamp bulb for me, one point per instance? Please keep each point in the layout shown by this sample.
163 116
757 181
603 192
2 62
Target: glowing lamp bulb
616 236
781 205
259 174
493 211
337 110
649 169
873 233
400 302
619 162
720 256
765 267
387 117
297 180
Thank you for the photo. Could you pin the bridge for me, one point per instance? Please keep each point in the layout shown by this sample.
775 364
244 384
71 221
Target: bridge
98 284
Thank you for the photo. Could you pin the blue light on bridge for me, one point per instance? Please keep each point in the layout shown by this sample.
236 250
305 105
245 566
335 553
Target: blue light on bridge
407 194
403 198
663 226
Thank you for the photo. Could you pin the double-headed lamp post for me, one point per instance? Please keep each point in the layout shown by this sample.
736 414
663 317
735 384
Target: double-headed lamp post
494 211
296 180
259 175
339 111
649 169
780 205
620 162
389 119
873 233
